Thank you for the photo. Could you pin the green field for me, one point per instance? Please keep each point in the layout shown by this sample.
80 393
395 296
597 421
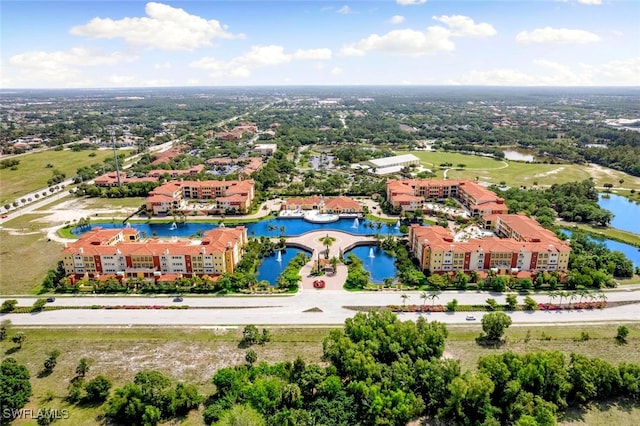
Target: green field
194 354
25 255
33 173
515 173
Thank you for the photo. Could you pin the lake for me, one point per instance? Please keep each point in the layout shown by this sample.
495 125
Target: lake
378 263
292 227
627 213
270 268
518 156
632 253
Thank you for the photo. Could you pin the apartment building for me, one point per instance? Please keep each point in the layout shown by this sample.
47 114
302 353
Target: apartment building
410 195
526 246
121 253
235 195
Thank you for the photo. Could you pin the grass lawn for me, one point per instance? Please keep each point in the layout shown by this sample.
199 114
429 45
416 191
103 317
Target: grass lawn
517 173
195 354
113 203
25 255
33 173
611 233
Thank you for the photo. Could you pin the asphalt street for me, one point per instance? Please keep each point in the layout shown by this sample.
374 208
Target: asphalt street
290 310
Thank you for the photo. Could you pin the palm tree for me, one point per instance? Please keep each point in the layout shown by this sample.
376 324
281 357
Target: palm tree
552 296
583 293
404 297
283 229
562 294
433 295
424 296
572 296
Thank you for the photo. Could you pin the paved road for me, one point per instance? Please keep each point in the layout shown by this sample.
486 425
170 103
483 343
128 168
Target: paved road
290 310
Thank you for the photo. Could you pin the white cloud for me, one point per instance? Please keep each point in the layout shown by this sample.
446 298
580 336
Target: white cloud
344 10
336 71
404 42
133 81
557 36
410 2
162 66
50 69
591 2
464 26
396 20
614 73
313 54
259 56
165 28
409 42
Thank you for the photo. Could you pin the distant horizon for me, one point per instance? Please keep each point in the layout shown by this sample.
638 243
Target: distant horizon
256 43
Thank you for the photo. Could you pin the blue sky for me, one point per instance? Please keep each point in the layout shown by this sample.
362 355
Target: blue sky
64 44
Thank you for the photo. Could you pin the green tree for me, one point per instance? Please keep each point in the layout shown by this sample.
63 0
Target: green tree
51 361
469 401
38 305
492 304
83 367
250 335
251 357
19 338
623 332
4 329
97 390
241 415
8 305
530 304
15 387
452 306
512 302
494 324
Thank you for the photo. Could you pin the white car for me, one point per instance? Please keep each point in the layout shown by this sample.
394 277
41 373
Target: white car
470 318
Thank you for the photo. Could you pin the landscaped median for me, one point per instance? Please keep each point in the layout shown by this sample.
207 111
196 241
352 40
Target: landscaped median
486 307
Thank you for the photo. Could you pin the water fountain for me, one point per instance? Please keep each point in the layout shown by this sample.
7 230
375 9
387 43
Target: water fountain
371 255
398 224
356 223
279 256
173 226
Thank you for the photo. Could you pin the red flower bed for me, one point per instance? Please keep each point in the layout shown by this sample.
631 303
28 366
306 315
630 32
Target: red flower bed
578 306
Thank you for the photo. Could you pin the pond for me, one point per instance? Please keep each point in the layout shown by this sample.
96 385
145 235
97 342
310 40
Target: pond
518 155
378 263
626 213
268 228
272 266
632 253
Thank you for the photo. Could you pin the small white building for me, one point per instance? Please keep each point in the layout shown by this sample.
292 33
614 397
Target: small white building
266 148
393 164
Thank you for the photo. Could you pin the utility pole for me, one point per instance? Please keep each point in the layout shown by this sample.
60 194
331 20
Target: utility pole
115 156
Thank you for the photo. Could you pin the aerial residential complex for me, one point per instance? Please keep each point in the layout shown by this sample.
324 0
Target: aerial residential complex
411 195
122 253
526 246
219 196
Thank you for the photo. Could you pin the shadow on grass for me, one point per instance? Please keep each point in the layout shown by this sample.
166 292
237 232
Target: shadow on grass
44 373
490 343
12 350
578 413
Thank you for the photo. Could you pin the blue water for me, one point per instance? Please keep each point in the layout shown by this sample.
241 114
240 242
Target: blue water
380 267
626 213
632 253
270 269
293 227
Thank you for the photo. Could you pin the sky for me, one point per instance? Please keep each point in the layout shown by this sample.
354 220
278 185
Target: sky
130 43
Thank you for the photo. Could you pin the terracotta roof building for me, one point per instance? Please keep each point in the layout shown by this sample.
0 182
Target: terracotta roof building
234 195
121 253
410 195
335 205
526 247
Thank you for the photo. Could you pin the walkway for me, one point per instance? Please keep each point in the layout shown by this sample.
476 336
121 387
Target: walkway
312 241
